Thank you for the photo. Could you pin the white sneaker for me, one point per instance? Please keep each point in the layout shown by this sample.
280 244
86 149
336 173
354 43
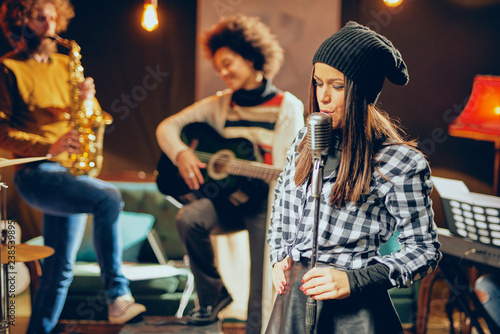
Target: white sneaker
123 309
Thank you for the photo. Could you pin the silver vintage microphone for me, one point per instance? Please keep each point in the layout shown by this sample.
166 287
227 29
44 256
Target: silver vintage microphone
319 134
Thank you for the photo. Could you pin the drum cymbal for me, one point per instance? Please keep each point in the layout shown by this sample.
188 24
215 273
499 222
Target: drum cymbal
24 253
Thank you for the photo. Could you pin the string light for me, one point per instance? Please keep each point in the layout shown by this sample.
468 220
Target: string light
150 16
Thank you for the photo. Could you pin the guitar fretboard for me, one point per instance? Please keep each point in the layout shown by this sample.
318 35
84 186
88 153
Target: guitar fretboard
234 166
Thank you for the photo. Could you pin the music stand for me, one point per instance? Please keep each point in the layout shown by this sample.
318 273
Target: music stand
474 218
469 215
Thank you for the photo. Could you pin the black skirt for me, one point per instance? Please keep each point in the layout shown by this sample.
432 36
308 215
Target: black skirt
367 313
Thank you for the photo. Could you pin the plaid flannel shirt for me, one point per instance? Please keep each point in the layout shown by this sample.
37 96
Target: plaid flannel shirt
349 236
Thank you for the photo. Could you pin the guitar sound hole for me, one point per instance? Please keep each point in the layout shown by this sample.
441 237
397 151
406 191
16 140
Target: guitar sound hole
218 166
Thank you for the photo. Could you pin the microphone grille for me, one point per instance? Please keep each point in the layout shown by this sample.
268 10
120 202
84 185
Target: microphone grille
319 129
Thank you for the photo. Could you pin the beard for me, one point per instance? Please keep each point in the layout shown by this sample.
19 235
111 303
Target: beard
46 47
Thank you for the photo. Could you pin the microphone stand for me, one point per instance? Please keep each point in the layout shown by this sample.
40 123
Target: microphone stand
316 184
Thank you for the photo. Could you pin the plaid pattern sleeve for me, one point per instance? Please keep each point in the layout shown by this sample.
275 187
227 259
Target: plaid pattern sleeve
408 203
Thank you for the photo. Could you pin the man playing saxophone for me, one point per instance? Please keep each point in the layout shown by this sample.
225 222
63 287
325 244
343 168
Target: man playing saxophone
35 115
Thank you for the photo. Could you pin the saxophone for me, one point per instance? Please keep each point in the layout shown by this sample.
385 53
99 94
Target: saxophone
89 122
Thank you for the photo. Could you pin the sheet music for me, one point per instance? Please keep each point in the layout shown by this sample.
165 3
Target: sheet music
485 200
452 189
457 190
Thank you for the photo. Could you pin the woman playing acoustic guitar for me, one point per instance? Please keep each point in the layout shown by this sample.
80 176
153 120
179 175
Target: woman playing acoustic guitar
246 56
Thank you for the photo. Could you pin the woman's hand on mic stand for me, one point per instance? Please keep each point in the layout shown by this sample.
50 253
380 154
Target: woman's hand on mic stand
326 283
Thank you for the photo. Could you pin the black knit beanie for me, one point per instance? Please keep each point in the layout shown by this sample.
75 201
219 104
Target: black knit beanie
363 56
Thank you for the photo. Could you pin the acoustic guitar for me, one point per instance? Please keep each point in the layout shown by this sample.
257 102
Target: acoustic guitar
231 166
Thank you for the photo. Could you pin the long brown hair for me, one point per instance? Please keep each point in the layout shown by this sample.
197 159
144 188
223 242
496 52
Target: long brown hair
364 129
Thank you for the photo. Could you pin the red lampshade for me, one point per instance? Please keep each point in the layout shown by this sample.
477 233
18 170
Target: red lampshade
480 118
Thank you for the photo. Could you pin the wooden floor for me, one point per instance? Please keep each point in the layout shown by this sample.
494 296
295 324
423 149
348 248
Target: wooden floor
438 323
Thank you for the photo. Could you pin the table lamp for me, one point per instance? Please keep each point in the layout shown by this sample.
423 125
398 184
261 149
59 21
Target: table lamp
480 119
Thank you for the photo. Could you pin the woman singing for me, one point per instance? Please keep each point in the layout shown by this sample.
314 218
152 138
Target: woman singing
375 183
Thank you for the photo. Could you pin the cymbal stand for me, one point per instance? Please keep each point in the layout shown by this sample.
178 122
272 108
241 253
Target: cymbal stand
4 320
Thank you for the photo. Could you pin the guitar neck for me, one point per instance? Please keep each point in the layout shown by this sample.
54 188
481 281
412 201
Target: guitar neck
253 169
240 167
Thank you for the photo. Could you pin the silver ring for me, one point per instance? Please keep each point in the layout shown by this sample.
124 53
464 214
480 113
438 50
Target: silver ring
191 175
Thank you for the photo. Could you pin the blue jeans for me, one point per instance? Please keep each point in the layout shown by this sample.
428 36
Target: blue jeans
65 201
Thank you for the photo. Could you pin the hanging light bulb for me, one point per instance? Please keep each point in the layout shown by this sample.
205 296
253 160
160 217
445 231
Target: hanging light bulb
393 3
150 16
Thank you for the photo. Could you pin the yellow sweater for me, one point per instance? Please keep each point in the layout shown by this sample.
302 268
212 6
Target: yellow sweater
34 103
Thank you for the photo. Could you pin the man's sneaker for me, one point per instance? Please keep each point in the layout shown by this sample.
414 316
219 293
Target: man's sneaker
123 309
205 315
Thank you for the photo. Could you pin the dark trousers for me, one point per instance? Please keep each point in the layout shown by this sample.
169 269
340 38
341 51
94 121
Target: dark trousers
195 222
369 313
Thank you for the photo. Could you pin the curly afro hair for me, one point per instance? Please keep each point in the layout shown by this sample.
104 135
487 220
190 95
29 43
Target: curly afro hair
14 15
248 37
